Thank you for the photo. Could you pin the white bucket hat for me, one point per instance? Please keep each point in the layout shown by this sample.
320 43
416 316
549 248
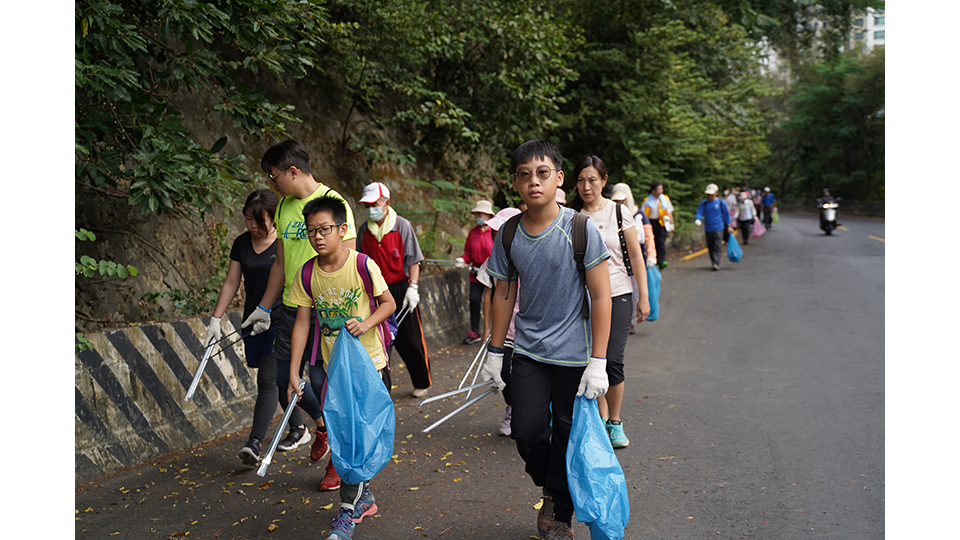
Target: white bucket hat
483 207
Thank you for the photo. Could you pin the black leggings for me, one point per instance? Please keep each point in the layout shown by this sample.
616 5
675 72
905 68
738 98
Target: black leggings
746 229
476 302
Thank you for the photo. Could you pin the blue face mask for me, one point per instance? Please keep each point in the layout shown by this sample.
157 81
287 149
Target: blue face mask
481 221
375 213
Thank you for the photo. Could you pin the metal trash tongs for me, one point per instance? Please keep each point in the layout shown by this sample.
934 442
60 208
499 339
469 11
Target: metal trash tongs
199 374
276 438
478 358
206 356
460 408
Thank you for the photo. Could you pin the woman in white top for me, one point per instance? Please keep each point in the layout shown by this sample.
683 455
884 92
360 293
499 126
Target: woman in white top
744 213
591 177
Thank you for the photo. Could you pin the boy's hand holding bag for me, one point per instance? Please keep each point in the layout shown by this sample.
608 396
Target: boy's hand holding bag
594 382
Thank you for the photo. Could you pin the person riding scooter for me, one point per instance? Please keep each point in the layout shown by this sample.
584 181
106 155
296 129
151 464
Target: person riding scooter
829 214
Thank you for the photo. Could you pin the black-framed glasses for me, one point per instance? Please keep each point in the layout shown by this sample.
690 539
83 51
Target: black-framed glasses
274 178
543 173
324 230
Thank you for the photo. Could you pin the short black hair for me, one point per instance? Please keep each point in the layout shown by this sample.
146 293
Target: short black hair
289 153
258 202
654 185
536 148
326 203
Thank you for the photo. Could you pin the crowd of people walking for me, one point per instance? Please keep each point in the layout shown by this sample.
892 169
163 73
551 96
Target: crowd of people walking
309 272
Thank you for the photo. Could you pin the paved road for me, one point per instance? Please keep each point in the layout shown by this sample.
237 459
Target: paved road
755 407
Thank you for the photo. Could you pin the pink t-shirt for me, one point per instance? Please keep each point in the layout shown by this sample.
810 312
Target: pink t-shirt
606 220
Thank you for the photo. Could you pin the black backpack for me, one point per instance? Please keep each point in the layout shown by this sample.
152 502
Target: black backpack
509 230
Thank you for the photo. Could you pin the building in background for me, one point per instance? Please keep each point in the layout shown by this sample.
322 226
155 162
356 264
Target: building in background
867 31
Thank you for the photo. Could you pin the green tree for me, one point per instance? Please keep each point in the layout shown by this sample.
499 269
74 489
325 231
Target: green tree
834 125
667 92
133 58
434 80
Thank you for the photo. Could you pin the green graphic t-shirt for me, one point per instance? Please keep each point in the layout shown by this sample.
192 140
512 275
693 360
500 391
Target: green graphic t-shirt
291 229
338 296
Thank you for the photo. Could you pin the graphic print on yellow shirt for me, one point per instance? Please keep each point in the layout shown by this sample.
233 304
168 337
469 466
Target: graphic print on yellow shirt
339 296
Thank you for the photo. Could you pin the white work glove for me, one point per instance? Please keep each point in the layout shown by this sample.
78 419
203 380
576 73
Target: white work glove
697 222
651 262
594 382
213 331
260 319
491 367
411 298
459 263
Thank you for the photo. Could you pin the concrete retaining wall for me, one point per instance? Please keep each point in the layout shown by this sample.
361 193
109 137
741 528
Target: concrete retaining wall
129 390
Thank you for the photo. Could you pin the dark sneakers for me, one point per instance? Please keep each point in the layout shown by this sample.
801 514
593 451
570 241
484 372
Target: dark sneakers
545 516
294 439
250 454
558 530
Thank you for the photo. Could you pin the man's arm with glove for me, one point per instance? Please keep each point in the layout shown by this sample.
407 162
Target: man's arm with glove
412 297
594 382
504 297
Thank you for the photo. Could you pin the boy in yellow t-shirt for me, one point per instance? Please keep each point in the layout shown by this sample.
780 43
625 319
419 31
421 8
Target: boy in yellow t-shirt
341 301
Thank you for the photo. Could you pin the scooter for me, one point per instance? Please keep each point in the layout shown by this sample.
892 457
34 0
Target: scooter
828 215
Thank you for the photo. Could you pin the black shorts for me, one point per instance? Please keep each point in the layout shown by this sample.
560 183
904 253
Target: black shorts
286 316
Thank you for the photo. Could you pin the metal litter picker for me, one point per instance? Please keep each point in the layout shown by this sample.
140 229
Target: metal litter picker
276 438
203 362
462 407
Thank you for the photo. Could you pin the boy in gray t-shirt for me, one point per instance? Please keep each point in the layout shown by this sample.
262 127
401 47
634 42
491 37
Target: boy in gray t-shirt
554 358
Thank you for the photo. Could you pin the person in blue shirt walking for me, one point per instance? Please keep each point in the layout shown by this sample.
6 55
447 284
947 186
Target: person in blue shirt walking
768 202
715 218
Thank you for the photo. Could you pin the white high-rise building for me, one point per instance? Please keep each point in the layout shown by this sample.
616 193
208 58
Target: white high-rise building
867 31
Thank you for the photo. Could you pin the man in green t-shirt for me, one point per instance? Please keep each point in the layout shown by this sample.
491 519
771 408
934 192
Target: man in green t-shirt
287 164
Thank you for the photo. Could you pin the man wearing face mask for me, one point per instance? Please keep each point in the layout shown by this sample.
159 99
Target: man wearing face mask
392 243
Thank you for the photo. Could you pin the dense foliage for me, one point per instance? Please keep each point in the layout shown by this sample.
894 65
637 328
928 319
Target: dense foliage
662 90
133 57
831 131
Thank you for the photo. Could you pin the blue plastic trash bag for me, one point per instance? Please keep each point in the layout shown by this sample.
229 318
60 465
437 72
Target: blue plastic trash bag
653 292
358 412
734 251
597 484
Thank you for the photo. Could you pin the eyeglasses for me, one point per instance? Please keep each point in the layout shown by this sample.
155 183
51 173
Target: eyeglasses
274 178
323 230
525 175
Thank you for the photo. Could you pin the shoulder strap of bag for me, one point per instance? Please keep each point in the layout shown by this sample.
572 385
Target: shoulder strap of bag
306 277
623 242
579 252
507 232
386 331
